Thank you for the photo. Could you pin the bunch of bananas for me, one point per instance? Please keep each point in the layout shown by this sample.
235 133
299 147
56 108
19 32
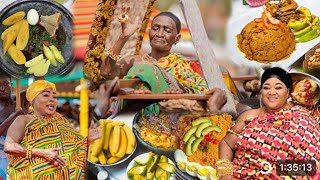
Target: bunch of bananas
117 140
305 27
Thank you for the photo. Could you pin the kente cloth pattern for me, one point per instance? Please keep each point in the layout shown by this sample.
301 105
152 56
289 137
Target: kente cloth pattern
178 66
290 134
51 132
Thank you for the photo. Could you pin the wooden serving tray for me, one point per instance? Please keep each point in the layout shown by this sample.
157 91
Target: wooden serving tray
129 83
165 96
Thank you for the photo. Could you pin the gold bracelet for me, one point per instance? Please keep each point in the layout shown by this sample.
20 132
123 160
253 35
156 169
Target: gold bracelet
29 155
232 132
112 55
224 167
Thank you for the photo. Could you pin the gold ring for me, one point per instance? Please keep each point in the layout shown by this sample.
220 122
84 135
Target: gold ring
123 18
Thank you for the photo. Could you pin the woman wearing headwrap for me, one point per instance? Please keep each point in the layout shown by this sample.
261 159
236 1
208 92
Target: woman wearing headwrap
42 144
276 131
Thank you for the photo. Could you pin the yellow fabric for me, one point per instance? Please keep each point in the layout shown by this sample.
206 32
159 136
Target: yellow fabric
52 132
37 87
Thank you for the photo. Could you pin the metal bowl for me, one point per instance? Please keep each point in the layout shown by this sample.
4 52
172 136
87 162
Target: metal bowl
298 76
44 7
167 152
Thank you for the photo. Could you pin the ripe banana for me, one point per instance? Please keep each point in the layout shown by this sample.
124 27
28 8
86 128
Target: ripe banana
131 139
111 150
115 142
123 144
102 158
303 22
90 156
113 159
107 136
99 142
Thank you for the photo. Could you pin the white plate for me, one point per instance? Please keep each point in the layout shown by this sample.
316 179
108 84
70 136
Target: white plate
125 157
237 22
144 157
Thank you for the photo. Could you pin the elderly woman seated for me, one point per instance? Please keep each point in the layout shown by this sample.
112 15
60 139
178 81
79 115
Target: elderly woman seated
276 131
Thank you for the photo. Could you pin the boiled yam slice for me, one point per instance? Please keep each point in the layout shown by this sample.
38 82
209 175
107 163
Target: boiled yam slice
50 23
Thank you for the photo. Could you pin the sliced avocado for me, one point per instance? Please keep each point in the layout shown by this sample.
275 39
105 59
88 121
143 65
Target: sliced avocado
200 120
201 127
196 144
138 177
152 166
159 172
167 167
189 145
209 129
150 175
189 133
162 177
163 158
138 170
145 162
165 176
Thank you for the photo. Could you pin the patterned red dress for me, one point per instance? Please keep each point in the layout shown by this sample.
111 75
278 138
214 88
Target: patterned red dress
288 134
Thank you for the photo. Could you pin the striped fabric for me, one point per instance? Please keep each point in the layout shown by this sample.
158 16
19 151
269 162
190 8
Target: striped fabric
52 132
290 134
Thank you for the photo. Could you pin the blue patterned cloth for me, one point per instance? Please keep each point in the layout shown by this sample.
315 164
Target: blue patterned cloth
3 159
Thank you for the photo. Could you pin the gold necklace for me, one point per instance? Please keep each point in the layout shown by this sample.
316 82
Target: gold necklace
146 58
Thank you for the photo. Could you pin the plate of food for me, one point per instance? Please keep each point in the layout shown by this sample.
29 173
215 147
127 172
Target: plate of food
36 38
197 135
306 89
266 36
156 132
115 146
151 166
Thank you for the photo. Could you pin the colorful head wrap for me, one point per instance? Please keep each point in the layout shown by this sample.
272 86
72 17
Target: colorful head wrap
37 87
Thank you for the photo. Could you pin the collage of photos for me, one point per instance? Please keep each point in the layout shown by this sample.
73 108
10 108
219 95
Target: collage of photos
159 90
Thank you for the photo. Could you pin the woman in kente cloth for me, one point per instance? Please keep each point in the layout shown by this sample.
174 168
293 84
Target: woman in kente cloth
42 144
276 131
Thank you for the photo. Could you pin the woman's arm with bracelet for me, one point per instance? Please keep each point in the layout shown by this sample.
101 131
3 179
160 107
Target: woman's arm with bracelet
14 137
111 67
227 146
